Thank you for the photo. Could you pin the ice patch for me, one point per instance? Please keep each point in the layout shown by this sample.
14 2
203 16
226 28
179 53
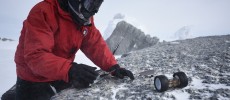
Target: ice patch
117 56
174 42
197 83
217 86
116 89
180 95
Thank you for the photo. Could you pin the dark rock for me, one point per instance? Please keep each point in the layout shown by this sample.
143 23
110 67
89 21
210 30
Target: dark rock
126 38
125 55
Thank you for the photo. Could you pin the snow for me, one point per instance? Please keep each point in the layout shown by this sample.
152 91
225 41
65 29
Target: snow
179 95
197 83
8 74
116 89
121 17
81 58
8 69
182 33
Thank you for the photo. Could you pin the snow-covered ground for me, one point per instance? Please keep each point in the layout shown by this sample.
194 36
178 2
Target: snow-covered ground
205 60
197 83
7 65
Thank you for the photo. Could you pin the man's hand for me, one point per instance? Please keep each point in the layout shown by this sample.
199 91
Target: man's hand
119 72
81 76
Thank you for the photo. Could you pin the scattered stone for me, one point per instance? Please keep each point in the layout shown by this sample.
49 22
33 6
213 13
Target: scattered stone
204 60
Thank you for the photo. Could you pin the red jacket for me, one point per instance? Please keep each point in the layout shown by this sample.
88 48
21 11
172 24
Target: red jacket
48 43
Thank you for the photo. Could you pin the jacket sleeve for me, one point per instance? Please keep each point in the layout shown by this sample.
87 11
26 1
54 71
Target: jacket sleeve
38 45
96 49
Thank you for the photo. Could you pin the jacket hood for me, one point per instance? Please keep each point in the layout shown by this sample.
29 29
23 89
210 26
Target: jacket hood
56 4
51 1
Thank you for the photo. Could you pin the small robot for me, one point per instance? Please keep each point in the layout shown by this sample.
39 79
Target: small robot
162 83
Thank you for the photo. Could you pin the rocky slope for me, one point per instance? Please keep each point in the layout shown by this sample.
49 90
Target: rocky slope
205 60
125 38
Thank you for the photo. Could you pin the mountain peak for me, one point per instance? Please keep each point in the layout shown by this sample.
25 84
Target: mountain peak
121 17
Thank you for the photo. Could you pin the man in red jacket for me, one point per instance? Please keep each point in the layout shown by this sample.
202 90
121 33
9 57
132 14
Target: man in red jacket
52 33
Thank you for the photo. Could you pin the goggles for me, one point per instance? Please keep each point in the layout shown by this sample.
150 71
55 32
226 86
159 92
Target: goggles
92 5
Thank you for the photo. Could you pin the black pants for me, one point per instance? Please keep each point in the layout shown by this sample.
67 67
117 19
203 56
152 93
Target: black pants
26 90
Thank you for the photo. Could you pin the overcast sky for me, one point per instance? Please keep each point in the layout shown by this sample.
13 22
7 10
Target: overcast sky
160 18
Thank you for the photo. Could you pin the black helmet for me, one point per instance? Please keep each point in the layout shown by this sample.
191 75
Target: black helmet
82 10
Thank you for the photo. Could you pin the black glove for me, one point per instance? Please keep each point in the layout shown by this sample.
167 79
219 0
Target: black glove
119 72
81 75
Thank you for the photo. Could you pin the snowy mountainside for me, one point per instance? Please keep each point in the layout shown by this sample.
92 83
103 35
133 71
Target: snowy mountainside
205 60
118 18
183 33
